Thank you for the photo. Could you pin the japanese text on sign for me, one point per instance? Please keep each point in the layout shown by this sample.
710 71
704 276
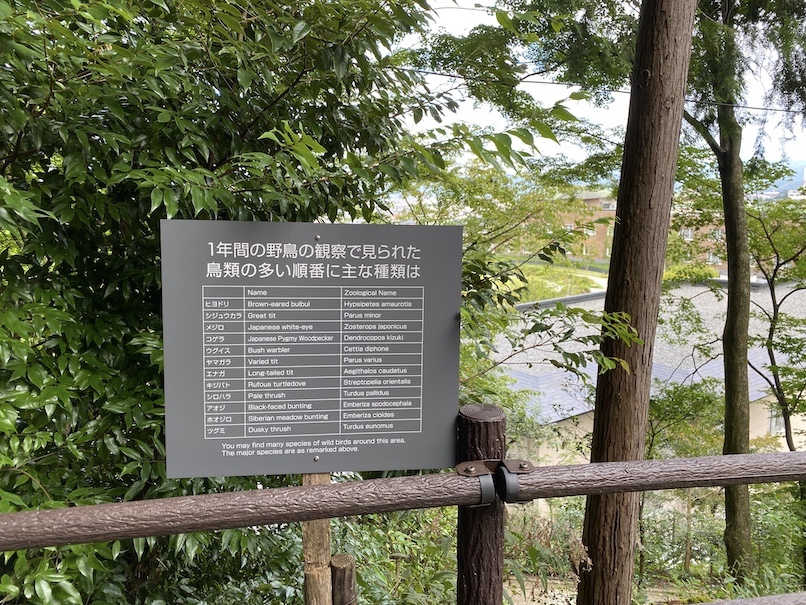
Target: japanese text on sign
312 360
355 261
306 347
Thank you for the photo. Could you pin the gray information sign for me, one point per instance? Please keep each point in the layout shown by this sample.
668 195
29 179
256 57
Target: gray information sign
306 347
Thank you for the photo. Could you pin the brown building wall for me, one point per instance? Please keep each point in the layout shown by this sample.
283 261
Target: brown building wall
598 244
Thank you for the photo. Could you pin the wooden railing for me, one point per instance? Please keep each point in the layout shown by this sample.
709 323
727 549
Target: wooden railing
483 433
104 522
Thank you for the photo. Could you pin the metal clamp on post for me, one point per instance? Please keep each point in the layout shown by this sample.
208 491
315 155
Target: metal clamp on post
506 479
497 477
483 469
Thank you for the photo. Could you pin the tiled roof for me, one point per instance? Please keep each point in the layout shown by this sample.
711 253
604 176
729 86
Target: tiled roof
561 395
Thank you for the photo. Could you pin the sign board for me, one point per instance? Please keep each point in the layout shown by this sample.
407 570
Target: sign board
306 347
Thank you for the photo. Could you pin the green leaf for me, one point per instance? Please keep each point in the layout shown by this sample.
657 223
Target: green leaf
524 135
171 200
117 407
139 547
301 29
7 587
73 596
245 78
43 589
505 21
133 490
233 24
545 131
272 135
37 375
13 498
8 420
83 139
156 198
303 153
164 62
561 112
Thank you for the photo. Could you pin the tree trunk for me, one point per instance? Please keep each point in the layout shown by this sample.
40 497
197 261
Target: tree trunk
802 517
641 541
342 573
689 532
735 336
316 552
480 431
639 245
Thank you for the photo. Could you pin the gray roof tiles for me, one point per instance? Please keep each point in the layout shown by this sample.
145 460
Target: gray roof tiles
560 395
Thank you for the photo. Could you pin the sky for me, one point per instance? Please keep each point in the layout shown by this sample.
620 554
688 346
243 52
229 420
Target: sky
460 16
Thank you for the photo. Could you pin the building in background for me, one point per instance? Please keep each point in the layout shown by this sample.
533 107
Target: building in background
599 242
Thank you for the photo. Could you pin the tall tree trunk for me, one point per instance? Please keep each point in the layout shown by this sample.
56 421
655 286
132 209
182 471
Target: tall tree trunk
641 540
725 67
802 536
734 338
639 245
689 531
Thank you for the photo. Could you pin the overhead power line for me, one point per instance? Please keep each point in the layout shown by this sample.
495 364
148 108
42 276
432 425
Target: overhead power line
530 80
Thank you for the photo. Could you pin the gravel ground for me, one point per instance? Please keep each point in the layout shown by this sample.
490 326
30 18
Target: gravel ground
709 304
564 593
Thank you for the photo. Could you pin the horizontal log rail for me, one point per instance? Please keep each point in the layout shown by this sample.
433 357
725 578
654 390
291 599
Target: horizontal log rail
209 512
797 598
159 517
648 475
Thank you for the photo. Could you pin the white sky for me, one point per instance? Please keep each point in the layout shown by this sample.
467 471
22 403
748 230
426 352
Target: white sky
460 16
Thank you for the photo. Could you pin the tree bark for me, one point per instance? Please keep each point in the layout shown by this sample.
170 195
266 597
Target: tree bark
689 532
737 320
212 512
641 540
643 213
480 531
802 517
316 552
342 571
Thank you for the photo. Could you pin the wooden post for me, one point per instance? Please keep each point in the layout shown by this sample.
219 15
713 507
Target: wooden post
342 569
480 531
316 552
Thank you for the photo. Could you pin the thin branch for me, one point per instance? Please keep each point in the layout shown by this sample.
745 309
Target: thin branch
703 131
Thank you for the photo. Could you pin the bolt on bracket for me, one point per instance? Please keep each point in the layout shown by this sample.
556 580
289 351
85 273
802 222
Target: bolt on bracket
497 477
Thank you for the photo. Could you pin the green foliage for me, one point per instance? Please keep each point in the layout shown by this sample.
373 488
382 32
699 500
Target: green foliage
761 175
553 281
403 558
776 240
203 111
113 116
500 212
765 581
585 43
779 255
491 51
685 420
694 274
777 508
509 220
673 523
546 546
